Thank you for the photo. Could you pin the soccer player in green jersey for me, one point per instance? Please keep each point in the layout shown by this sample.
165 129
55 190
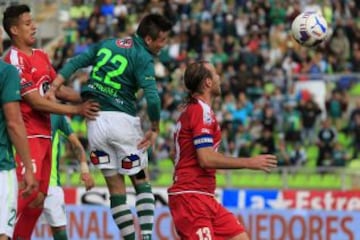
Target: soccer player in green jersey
54 206
12 133
117 142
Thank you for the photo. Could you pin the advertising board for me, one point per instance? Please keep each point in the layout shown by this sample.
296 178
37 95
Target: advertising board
95 222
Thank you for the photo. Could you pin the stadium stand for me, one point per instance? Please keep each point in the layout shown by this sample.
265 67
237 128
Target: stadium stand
260 64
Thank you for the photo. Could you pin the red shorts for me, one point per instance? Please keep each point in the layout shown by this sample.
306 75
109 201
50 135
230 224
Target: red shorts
40 151
199 216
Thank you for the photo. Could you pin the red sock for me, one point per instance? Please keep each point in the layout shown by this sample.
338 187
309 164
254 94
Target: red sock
26 222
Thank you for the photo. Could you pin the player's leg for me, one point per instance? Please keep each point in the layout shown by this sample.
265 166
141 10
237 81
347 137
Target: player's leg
8 202
54 212
30 208
192 216
241 236
108 144
226 225
145 203
120 210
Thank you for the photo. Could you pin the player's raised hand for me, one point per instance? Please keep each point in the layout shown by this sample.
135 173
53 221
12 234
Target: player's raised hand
89 109
264 162
30 184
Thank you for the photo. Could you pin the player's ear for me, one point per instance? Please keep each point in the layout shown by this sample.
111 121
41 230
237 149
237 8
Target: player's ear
13 30
148 39
208 82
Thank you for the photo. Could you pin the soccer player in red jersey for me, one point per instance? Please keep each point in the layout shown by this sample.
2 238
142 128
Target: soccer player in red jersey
195 211
36 74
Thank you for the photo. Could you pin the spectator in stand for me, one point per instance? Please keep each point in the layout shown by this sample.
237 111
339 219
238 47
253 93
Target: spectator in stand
340 46
355 134
327 136
267 142
269 119
282 153
292 125
336 106
339 156
298 156
121 13
310 113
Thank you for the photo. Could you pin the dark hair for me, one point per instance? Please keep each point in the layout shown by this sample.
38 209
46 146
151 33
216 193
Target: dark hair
11 16
152 24
194 75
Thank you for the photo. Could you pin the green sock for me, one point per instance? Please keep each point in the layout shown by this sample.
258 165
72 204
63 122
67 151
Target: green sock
145 206
60 235
123 217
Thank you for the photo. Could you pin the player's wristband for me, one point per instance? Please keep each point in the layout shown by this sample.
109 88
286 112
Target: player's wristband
84 168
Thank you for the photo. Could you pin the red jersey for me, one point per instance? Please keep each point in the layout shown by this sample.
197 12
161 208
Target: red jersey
196 128
36 73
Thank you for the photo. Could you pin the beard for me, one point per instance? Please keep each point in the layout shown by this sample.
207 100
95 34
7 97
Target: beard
216 92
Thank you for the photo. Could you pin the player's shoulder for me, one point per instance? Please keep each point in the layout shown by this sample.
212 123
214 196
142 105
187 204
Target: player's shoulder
41 52
7 67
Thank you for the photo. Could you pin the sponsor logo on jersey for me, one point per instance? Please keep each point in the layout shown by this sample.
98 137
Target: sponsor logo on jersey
207 118
152 78
124 43
25 84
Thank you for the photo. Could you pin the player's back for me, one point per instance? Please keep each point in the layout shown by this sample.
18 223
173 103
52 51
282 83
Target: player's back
196 127
120 69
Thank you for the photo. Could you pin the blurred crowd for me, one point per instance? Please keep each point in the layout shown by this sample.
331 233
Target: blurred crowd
250 44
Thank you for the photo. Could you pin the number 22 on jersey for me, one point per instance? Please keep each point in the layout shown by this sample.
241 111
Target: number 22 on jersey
107 57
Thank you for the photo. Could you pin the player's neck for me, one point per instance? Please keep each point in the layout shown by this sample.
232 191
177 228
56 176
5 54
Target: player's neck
28 50
206 98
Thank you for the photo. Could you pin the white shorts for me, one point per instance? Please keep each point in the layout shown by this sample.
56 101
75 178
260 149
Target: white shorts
8 201
114 137
54 208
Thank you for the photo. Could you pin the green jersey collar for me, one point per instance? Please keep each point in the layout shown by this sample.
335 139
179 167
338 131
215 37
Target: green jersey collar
140 40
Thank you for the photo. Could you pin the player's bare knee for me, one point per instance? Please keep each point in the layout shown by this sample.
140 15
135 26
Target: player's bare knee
114 181
38 201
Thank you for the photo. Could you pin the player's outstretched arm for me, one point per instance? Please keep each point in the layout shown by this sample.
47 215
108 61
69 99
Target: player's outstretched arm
208 158
68 94
80 154
88 109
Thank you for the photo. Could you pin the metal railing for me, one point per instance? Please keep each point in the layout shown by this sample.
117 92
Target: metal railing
339 178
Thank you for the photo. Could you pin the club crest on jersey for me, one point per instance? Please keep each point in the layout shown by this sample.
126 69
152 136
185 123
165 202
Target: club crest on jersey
124 43
130 161
207 118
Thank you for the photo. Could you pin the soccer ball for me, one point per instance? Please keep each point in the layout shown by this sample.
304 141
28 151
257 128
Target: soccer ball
309 29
